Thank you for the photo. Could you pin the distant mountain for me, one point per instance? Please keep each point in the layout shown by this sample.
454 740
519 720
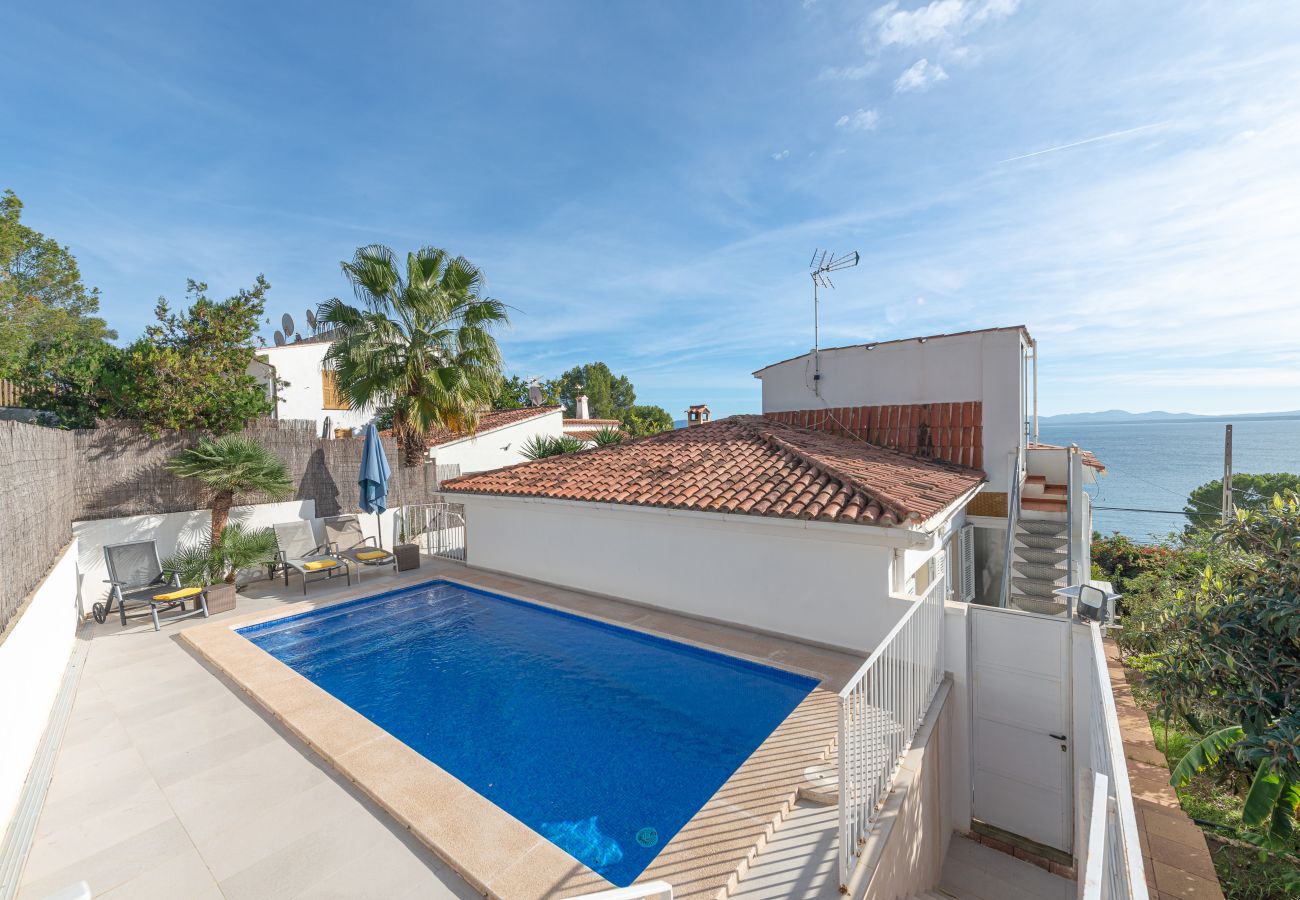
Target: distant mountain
1121 415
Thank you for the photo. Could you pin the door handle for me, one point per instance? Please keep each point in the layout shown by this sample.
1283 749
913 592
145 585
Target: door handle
1059 737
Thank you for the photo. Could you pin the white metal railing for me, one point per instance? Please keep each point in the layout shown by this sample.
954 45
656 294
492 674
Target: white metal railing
1112 856
880 710
1013 516
438 528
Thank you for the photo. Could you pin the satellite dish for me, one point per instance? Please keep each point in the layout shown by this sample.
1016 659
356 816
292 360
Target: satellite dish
279 339
311 320
286 322
535 395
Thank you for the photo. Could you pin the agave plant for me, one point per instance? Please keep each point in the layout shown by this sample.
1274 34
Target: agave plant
237 548
540 446
608 437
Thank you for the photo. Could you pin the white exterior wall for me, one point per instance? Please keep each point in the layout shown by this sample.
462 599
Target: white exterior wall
170 530
301 365
33 658
829 584
499 447
984 366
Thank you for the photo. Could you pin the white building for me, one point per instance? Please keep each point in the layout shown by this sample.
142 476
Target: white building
308 390
499 439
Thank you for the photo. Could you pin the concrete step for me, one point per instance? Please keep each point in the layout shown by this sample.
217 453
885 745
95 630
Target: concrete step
1042 555
1044 504
821 783
1032 526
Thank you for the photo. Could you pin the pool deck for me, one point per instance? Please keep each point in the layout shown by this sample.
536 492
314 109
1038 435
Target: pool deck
172 780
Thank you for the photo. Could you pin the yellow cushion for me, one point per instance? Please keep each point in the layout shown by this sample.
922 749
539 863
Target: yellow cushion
320 564
178 595
372 554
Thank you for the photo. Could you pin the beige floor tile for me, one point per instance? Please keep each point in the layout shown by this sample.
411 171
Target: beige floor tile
112 866
182 876
80 835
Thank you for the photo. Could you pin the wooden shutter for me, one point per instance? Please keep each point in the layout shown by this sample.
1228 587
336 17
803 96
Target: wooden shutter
966 564
329 389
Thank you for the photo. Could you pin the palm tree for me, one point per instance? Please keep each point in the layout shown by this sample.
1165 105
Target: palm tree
420 342
232 465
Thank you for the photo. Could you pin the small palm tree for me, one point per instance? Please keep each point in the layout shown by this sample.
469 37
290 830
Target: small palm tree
420 342
539 446
229 466
207 562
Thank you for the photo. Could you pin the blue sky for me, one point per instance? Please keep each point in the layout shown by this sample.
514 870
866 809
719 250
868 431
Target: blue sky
645 182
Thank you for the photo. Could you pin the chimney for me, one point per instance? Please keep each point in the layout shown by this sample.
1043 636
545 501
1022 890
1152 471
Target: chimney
582 407
697 415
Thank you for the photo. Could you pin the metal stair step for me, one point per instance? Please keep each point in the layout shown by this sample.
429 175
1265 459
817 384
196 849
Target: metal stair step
1041 541
1041 555
1034 587
1043 526
1040 572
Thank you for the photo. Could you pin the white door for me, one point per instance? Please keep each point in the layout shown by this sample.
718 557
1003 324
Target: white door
1022 743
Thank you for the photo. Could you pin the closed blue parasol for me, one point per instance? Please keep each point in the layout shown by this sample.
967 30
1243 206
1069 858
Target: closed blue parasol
373 477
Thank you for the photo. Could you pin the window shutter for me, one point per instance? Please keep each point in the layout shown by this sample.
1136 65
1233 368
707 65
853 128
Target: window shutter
329 389
966 574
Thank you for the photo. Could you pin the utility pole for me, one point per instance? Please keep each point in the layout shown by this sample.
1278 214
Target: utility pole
1227 473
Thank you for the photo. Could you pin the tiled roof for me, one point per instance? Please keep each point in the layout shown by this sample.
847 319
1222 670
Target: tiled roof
592 423
586 434
1089 458
949 431
490 421
745 464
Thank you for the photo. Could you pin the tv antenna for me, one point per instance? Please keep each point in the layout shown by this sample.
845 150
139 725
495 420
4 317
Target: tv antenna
822 264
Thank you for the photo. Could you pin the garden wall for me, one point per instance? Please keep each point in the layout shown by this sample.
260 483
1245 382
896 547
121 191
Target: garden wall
120 471
37 505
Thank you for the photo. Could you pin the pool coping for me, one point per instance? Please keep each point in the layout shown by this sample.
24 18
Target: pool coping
497 854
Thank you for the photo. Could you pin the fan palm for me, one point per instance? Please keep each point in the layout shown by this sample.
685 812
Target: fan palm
232 465
420 342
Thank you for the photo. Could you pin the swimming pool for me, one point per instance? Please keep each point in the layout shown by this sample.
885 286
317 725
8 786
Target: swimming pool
604 740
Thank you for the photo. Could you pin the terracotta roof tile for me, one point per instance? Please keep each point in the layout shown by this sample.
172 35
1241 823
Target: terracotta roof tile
745 464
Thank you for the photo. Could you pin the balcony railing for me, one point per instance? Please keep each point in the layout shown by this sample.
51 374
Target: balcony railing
880 710
1111 866
438 528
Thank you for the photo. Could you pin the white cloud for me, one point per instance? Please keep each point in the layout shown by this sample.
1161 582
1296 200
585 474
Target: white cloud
784 154
920 76
846 73
940 22
862 120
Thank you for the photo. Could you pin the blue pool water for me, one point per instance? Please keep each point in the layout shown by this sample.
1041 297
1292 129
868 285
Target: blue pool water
602 739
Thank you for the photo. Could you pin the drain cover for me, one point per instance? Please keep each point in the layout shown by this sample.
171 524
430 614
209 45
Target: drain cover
647 837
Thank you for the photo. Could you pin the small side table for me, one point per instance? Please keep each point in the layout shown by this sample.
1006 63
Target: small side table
408 556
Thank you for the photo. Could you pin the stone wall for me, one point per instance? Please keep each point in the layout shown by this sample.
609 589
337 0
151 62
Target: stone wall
37 502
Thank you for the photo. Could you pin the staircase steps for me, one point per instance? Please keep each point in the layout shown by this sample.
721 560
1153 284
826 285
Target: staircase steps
1038 564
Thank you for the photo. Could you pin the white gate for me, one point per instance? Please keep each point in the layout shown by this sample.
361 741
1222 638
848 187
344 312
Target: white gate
438 528
1022 757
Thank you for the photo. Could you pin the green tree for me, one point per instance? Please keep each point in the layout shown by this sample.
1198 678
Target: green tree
1229 664
421 342
607 394
230 466
642 419
66 379
43 302
514 394
1248 492
191 369
208 561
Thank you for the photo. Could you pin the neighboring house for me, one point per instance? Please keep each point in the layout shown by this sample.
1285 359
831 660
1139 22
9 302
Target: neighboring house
308 390
499 439
584 428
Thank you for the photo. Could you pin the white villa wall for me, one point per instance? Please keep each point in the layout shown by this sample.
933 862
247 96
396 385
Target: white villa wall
301 365
983 365
170 530
33 658
499 447
824 583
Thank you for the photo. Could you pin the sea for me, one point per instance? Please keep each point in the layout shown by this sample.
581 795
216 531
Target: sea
1154 465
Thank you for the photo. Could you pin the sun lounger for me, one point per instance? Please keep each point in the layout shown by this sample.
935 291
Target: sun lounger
346 540
299 552
137 581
